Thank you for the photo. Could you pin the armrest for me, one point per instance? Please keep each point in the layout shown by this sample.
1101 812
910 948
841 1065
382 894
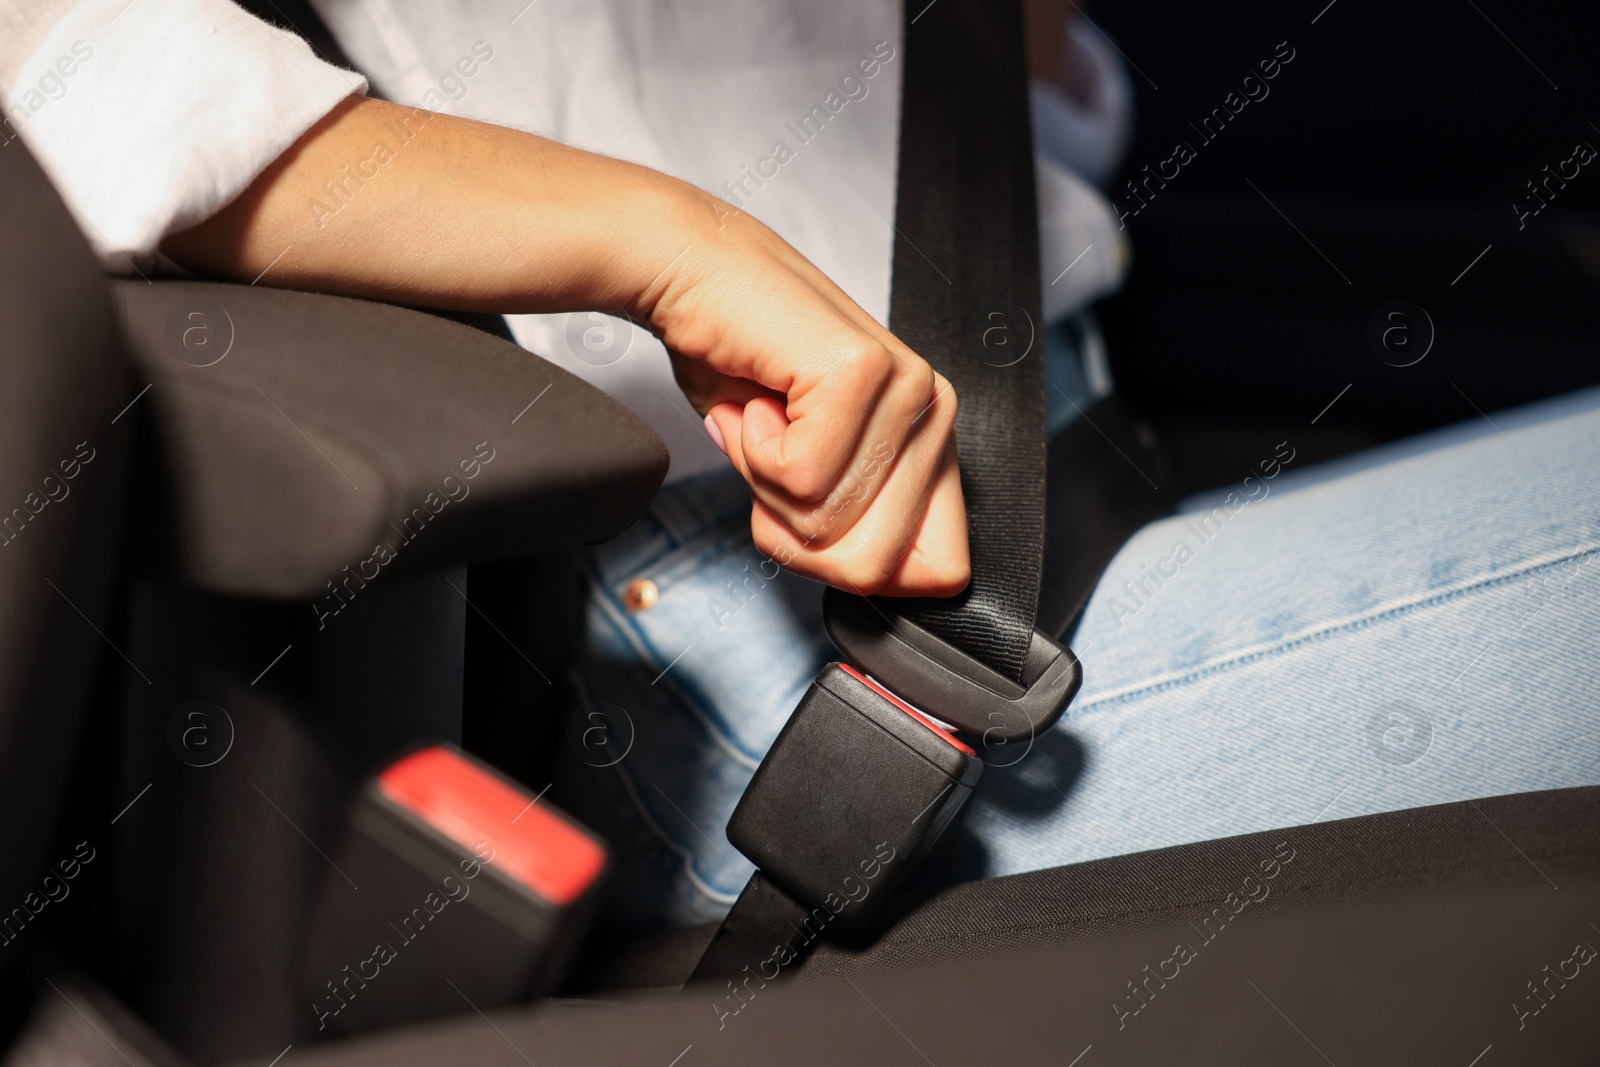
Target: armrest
302 438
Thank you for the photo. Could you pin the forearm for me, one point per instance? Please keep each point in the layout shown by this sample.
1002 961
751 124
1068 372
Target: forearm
820 408
421 208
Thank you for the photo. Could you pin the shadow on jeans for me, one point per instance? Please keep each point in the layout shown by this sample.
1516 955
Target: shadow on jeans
1043 775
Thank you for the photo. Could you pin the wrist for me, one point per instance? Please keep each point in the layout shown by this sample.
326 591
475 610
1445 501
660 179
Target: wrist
662 248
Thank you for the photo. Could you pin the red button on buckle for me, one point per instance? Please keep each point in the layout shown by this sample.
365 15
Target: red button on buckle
907 708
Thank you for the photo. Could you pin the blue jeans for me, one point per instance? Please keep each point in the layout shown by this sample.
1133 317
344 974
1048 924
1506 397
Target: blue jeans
1416 632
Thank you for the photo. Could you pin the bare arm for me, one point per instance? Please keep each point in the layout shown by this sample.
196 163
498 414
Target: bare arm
845 435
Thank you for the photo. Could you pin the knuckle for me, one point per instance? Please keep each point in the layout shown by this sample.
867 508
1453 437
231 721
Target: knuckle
869 360
869 575
765 545
944 413
771 545
800 478
955 574
921 393
922 383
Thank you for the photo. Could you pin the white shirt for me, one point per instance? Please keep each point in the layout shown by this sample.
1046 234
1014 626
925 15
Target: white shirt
152 115
788 109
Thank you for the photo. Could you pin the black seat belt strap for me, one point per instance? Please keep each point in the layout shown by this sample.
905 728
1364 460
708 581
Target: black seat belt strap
862 780
966 298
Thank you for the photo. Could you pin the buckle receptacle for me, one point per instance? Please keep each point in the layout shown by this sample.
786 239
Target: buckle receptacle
860 783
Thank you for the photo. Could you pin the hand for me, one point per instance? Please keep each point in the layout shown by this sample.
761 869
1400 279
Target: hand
846 436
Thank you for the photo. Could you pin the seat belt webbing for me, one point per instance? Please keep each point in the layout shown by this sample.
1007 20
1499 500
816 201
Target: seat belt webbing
966 298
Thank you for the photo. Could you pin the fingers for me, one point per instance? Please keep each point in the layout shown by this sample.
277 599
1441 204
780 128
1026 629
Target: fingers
892 520
706 387
939 563
894 458
867 563
803 448
908 539
845 436
714 432
839 379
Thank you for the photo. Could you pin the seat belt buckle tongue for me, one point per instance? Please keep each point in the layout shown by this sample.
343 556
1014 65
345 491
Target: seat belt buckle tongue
857 786
925 670
453 888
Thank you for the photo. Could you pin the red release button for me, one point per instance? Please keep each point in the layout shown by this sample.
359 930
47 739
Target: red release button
472 807
907 708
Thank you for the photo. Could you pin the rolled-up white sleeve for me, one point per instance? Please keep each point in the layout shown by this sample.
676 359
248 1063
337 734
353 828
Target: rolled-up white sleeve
151 115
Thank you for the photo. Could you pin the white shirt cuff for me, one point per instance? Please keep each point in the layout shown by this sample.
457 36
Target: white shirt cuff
150 117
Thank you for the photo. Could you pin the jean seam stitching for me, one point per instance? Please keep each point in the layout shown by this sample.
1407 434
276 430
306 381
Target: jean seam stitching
645 647
686 854
1342 628
683 562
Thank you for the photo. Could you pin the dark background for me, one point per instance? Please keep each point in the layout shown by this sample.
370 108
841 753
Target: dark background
1397 141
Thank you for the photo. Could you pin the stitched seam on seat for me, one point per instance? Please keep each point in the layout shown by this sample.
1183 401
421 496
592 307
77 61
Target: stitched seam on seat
1350 626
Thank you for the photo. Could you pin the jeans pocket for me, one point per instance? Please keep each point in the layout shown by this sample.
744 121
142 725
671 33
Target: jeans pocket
704 672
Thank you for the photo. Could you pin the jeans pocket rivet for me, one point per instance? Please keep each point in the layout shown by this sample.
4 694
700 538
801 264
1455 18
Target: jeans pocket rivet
641 595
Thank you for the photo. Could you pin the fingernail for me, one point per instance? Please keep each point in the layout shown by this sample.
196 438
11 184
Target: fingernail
715 433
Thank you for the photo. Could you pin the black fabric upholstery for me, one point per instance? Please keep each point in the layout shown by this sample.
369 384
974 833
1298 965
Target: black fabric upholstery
63 456
1403 938
1426 853
1434 935
1431 853
328 427
1402 983
289 436
966 297
217 867
76 1021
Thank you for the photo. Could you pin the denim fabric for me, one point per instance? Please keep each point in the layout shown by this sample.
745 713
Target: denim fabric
1412 634
694 689
1416 633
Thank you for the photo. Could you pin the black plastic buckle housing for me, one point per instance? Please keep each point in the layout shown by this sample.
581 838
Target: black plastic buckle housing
860 783
854 790
417 896
926 671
